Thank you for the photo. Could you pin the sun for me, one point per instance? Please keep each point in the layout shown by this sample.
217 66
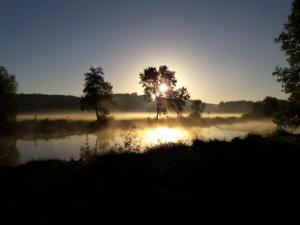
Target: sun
163 88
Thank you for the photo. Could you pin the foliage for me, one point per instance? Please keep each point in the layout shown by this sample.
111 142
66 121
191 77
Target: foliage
197 108
269 107
43 102
131 143
235 106
289 76
177 99
152 79
46 103
8 88
97 93
123 102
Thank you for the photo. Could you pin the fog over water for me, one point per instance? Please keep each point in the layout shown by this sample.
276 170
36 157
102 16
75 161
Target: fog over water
140 135
90 116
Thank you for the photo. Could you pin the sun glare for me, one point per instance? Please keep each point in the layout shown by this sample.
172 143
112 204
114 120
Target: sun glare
161 135
163 88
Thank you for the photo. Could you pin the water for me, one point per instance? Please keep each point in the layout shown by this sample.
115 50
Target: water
14 151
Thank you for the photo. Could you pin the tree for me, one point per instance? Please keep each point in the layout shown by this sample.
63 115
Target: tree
97 93
269 107
177 100
8 88
197 108
289 76
160 85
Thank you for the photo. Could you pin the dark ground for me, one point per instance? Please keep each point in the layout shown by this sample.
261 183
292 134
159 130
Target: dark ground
214 182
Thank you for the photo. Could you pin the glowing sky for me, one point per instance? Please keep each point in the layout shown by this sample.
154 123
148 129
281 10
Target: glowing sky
221 50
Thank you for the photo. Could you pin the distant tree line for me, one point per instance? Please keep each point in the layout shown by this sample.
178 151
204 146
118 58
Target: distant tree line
124 102
43 102
269 107
236 106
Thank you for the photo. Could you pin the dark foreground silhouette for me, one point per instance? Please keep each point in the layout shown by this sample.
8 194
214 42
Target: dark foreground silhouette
210 181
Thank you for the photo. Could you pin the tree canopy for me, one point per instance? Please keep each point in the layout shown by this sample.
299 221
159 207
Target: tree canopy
197 108
8 88
269 107
160 85
289 76
97 93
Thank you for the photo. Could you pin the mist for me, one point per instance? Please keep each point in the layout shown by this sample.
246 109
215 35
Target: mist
37 140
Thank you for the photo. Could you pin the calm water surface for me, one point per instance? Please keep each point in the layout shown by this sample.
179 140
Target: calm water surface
17 151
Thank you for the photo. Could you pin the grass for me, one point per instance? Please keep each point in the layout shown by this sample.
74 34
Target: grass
205 177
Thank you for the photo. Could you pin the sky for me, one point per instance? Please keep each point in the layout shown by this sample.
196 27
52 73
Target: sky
221 50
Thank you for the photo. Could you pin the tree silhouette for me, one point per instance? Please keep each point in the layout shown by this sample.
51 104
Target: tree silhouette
290 76
160 85
268 107
177 99
8 88
197 108
97 93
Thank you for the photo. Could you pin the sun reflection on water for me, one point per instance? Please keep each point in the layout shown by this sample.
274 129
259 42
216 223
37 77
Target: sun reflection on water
160 135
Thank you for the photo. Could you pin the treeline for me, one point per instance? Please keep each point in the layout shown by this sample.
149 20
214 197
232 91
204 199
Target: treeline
123 102
42 102
269 107
236 106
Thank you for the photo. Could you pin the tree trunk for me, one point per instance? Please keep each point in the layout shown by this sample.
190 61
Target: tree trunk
97 114
157 108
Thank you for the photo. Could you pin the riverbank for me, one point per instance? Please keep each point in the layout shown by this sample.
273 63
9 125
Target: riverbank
207 175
